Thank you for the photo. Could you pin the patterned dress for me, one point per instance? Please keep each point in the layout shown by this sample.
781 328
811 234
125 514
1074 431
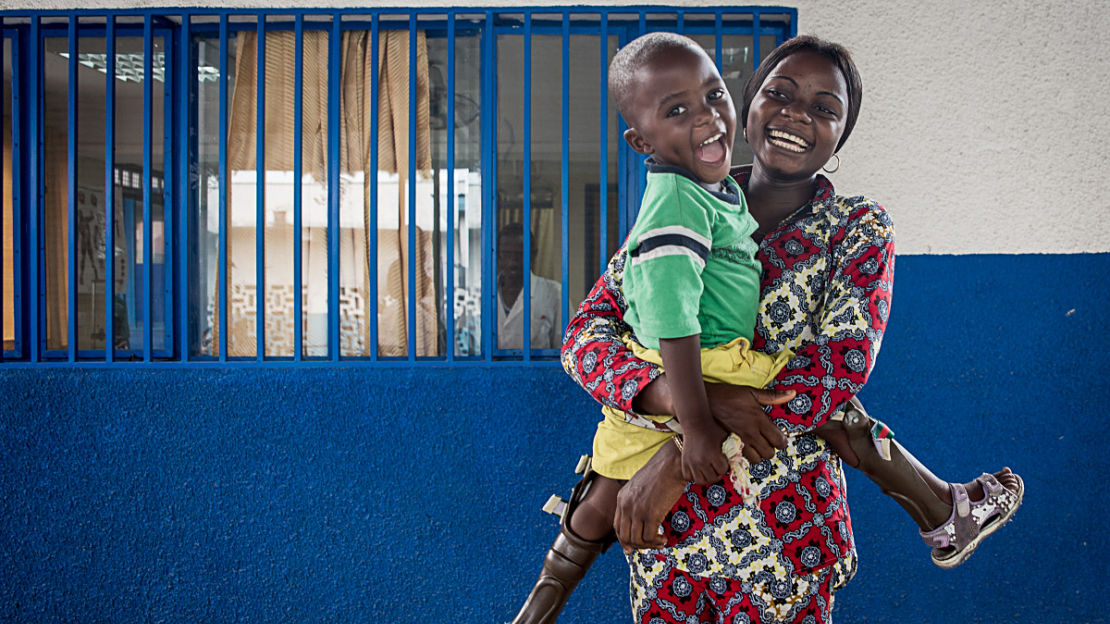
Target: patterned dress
826 288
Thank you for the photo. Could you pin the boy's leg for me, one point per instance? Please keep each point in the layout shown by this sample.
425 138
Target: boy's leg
901 477
927 498
585 532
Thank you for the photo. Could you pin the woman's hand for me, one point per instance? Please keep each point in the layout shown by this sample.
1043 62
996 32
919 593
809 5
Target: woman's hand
739 409
644 501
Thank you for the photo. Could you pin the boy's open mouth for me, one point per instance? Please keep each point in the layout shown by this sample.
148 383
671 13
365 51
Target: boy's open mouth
712 150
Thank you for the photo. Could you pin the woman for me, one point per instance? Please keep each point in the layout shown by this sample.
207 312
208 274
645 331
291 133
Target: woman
825 293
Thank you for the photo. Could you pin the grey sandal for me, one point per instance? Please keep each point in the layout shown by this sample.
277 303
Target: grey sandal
970 522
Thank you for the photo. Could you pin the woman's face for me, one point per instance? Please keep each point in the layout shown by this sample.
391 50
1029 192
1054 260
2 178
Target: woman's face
797 116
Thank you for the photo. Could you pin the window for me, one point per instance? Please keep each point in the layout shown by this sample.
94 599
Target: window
393 185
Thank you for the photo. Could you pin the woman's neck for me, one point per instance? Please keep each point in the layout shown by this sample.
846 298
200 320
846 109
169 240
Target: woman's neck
771 199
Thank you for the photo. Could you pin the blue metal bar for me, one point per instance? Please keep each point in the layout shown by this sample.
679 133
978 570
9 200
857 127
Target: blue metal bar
603 140
240 363
110 191
298 173
181 211
260 192
333 189
22 261
208 11
225 190
373 247
624 172
625 183
680 25
168 215
37 190
148 242
489 187
71 203
755 40
526 193
564 176
718 55
451 213
413 156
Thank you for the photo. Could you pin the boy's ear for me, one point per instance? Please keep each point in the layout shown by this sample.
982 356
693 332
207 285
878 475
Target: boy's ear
638 142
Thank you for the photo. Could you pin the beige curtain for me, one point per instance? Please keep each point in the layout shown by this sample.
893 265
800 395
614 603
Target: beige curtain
8 339
55 235
355 131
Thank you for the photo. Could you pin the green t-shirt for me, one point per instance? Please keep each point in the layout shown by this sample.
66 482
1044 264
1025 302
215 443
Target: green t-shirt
691 265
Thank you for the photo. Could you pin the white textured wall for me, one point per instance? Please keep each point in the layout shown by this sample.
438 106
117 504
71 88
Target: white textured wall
983 127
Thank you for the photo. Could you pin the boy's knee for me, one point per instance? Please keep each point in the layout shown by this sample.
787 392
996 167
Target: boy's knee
836 436
858 431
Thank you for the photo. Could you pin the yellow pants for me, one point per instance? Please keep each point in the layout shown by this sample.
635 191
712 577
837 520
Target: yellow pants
622 448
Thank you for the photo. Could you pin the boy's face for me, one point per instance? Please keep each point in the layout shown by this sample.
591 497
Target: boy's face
683 115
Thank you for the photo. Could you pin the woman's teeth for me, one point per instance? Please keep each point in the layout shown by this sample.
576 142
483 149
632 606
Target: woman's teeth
787 141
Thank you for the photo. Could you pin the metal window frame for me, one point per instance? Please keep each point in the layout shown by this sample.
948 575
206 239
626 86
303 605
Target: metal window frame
32 45
28 30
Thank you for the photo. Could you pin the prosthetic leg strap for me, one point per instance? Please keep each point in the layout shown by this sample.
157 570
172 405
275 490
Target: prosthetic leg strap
557 505
881 435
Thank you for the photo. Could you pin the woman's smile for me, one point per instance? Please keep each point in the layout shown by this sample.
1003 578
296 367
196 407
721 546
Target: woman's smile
787 140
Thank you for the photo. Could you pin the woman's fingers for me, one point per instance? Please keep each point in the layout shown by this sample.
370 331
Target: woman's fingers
757 449
772 397
634 534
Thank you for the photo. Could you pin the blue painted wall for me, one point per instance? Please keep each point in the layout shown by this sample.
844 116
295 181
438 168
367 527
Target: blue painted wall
412 495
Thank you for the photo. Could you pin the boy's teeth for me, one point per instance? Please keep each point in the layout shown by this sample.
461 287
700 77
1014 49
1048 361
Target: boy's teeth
711 139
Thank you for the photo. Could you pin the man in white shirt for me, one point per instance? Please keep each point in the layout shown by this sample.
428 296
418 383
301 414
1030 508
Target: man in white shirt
546 328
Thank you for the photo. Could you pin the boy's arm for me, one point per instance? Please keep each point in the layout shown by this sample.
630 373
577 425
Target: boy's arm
702 459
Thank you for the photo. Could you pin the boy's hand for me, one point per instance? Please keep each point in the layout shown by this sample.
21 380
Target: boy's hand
702 459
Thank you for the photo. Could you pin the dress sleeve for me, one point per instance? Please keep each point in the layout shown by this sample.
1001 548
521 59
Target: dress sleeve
832 367
594 355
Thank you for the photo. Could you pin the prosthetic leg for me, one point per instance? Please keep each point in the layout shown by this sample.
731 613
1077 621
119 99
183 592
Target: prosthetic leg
888 464
566 561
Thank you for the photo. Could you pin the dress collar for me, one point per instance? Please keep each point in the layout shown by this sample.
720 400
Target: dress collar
824 193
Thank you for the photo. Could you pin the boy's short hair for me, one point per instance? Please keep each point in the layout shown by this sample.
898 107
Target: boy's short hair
639 52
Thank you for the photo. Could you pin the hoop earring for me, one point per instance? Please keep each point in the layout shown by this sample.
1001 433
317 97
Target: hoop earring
834 169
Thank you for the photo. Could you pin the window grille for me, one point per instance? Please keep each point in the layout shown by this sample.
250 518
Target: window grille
298 186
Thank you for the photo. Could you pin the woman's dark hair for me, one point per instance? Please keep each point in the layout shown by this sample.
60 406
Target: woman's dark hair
808 43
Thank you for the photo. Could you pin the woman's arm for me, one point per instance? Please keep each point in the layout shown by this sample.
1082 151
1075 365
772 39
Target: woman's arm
595 356
833 365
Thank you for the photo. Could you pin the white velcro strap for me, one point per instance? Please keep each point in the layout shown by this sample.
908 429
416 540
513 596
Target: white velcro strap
584 463
555 506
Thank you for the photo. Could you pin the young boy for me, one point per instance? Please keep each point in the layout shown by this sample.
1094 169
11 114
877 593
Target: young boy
692 283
